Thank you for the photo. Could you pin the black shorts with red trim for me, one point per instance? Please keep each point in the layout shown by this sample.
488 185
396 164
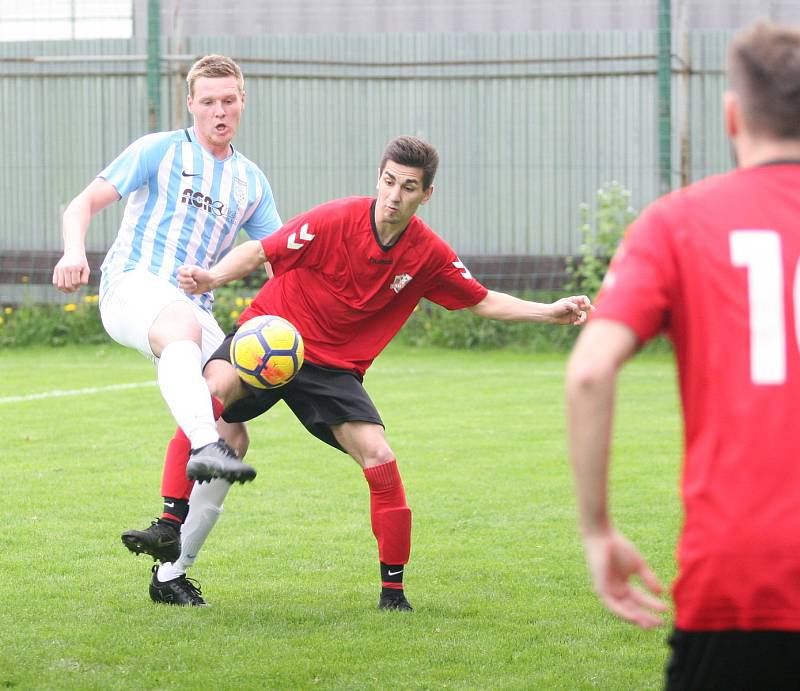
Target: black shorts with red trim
734 660
318 396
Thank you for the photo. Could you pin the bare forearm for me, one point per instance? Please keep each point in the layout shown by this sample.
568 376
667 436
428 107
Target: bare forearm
75 224
592 371
238 263
97 195
589 419
504 307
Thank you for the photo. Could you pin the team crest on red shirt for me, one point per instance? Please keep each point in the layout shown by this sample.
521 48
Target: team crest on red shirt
400 282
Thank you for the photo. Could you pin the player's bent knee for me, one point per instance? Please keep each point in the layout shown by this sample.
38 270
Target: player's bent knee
223 382
372 457
176 322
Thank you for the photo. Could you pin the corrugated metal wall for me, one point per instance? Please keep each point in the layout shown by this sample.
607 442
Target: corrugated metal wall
528 125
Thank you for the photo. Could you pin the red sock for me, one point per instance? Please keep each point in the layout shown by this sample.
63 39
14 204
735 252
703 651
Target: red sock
174 483
391 517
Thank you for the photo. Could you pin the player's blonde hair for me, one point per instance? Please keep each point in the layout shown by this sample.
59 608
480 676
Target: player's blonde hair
214 66
764 71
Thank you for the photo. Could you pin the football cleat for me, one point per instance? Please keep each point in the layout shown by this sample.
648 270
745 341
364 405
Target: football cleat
393 599
179 591
218 460
162 541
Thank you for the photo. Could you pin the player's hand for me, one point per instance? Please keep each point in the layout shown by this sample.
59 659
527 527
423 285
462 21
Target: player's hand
613 562
71 272
194 280
572 310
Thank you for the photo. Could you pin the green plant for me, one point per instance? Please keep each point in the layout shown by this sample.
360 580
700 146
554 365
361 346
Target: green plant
602 228
52 325
431 325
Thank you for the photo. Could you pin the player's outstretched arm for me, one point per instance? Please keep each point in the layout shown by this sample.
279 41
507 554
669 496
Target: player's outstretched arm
613 562
72 270
569 310
238 263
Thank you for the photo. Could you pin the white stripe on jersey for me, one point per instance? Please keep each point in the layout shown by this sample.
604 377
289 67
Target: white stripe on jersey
163 211
176 226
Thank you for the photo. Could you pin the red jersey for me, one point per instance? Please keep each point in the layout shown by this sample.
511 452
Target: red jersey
716 267
347 294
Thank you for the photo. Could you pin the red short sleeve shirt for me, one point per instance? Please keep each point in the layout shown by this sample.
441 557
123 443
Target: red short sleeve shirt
347 294
715 266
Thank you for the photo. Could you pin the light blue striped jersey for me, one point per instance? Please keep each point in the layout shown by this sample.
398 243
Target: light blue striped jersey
185 206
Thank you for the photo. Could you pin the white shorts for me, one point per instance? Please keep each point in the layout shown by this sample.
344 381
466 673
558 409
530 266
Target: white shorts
132 302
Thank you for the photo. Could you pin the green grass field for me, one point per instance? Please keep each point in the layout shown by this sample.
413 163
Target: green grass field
497 577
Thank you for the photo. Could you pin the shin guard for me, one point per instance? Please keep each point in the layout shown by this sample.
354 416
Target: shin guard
391 517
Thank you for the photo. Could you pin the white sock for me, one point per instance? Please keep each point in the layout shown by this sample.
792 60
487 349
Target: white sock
168 572
205 506
180 378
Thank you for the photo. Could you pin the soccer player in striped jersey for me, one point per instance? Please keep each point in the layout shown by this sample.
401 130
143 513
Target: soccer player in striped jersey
189 193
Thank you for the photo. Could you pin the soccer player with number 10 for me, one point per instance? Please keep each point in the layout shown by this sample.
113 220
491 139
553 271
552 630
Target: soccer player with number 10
715 266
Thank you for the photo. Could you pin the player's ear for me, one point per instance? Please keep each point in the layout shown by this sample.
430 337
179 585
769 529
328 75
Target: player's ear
732 113
243 94
427 195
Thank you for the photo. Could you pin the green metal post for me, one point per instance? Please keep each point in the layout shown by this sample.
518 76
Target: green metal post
665 95
154 65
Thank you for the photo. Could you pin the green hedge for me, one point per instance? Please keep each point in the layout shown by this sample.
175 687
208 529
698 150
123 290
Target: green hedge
429 325
79 322
433 325
54 325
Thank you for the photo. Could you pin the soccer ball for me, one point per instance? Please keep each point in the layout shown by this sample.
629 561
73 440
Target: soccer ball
267 352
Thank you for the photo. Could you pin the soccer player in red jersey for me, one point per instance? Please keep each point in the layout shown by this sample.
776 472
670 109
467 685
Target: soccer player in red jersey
716 266
347 274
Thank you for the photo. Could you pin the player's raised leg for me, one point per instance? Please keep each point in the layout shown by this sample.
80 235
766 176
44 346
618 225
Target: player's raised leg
389 512
175 338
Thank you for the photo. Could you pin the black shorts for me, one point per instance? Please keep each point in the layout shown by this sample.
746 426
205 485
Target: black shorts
734 660
318 396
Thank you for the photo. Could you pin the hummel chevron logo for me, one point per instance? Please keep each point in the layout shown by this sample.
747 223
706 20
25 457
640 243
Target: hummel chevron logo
465 272
304 235
389 572
189 175
171 504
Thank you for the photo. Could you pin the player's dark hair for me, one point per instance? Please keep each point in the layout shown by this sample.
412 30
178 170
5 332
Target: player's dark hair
764 71
214 66
413 152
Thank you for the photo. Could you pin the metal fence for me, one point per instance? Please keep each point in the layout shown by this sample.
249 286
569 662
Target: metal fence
528 126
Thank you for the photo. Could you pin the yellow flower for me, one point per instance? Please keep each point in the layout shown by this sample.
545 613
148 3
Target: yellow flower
87 298
25 279
234 314
70 307
248 302
8 310
239 302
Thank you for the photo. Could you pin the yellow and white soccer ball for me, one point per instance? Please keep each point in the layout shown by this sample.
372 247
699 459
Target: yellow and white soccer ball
267 351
